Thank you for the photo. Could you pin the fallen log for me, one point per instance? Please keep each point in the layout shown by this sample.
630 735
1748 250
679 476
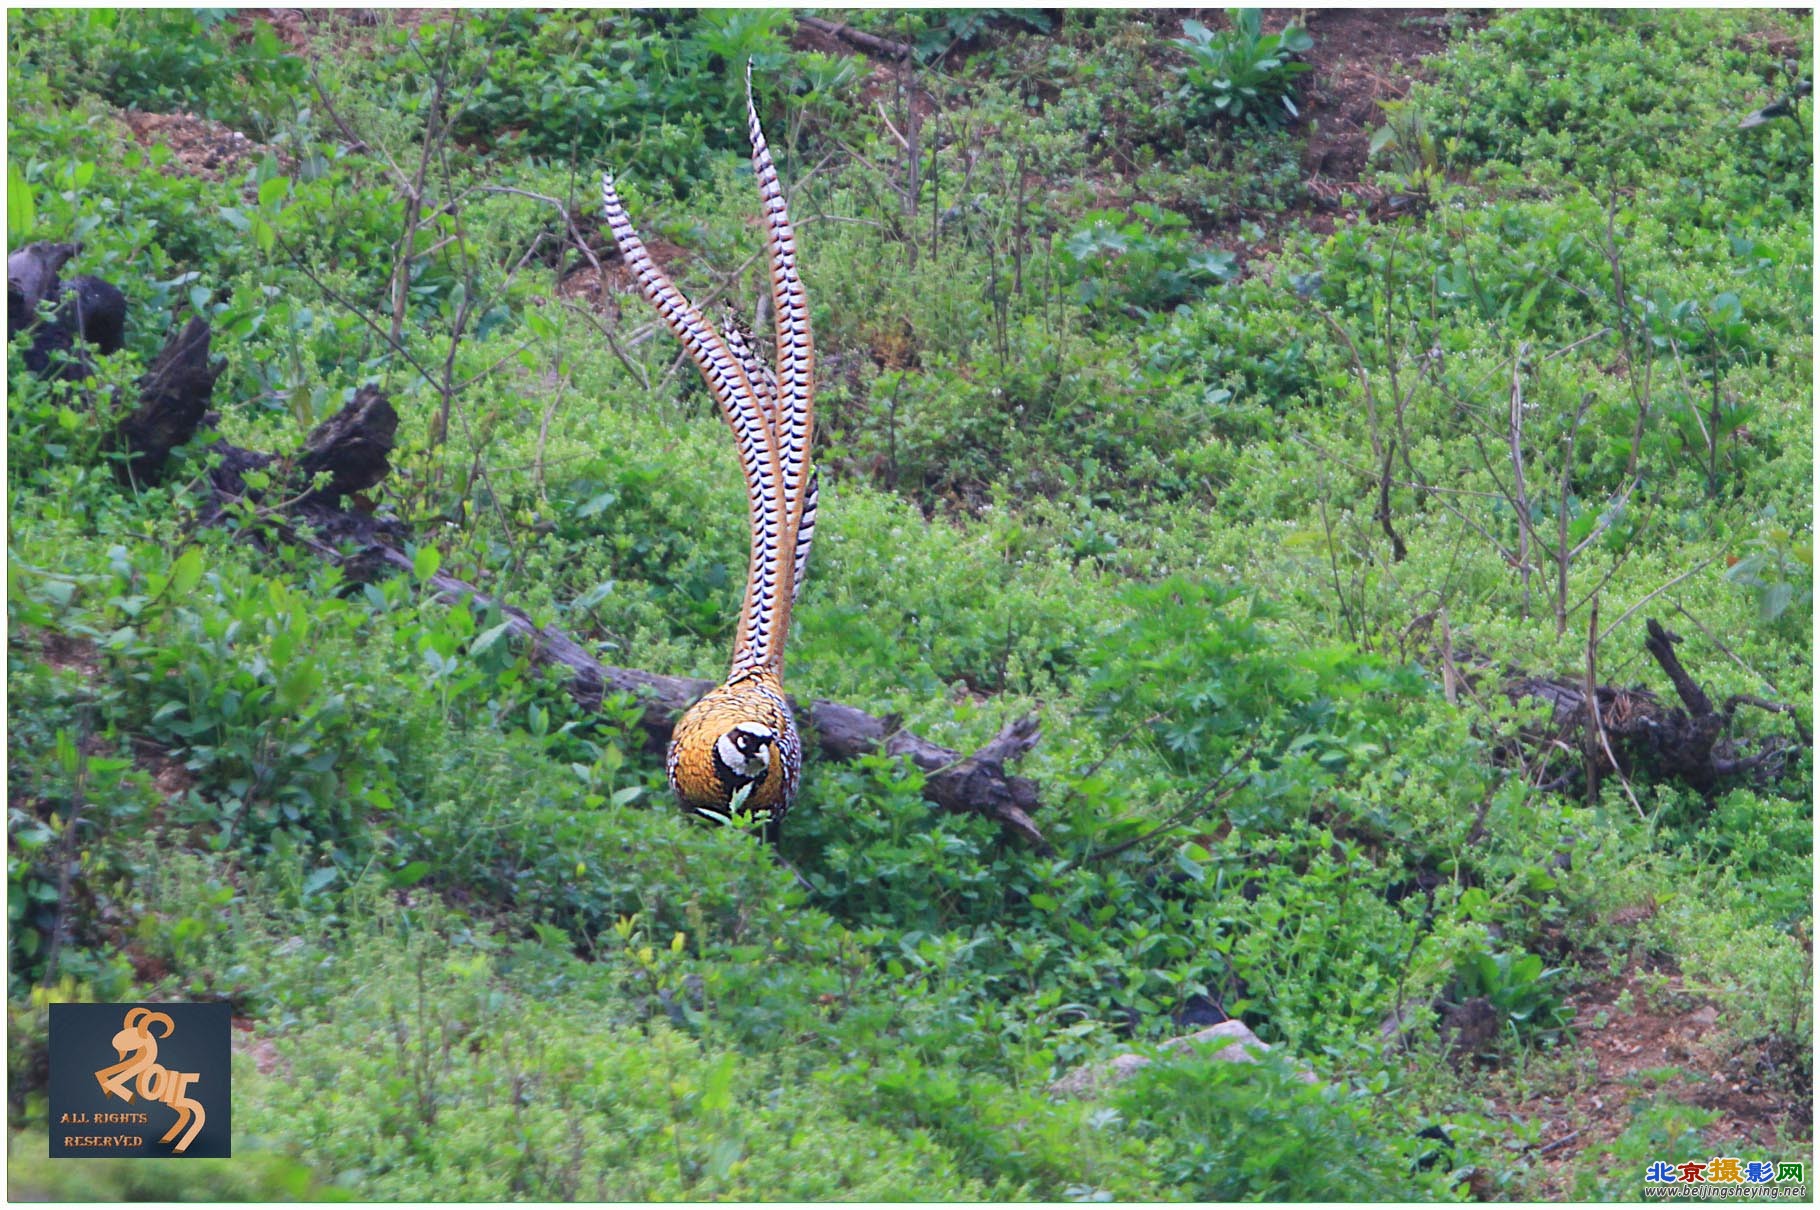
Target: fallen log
89 309
350 453
872 44
174 397
1651 737
973 784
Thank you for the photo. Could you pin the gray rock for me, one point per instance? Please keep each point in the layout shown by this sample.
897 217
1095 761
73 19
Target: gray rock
1236 1041
1084 1081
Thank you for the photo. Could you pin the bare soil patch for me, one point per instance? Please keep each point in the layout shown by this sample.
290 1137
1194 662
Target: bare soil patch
1361 57
601 288
171 777
263 1051
199 147
1648 1038
64 652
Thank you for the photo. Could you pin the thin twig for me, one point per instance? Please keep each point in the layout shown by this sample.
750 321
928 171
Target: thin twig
543 435
637 371
1592 706
1116 744
1520 492
568 219
1559 1143
1211 798
1720 644
340 300
1652 596
1746 699
901 140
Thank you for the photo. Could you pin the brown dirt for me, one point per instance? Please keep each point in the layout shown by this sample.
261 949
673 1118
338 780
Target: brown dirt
263 1051
199 146
302 28
601 289
1664 1046
1360 57
589 285
63 652
168 773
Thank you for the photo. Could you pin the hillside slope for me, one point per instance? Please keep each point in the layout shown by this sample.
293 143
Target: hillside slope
1260 449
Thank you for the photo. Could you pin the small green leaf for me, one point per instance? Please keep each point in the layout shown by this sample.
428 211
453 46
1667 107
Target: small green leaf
426 562
603 501
21 205
186 573
273 192
594 595
488 638
298 686
1775 600
717 1089
320 880
411 874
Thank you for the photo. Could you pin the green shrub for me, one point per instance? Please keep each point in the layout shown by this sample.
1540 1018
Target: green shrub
162 60
1251 1132
1242 74
1540 88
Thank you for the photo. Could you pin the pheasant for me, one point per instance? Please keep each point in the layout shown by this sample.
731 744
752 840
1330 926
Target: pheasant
737 749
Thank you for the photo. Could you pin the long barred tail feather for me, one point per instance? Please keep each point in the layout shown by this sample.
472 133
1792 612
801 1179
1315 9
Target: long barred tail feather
771 412
758 371
765 614
764 380
790 307
805 536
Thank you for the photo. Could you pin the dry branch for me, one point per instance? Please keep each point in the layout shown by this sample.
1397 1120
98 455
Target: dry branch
872 44
174 396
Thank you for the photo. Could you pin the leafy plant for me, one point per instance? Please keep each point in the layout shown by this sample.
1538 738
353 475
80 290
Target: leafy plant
1233 1132
1141 262
1779 573
1242 74
166 59
1414 154
1525 994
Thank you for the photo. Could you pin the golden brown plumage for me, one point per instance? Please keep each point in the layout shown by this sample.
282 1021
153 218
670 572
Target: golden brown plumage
737 749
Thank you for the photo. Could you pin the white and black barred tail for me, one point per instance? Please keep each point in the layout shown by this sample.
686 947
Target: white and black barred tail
790 313
737 748
764 616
